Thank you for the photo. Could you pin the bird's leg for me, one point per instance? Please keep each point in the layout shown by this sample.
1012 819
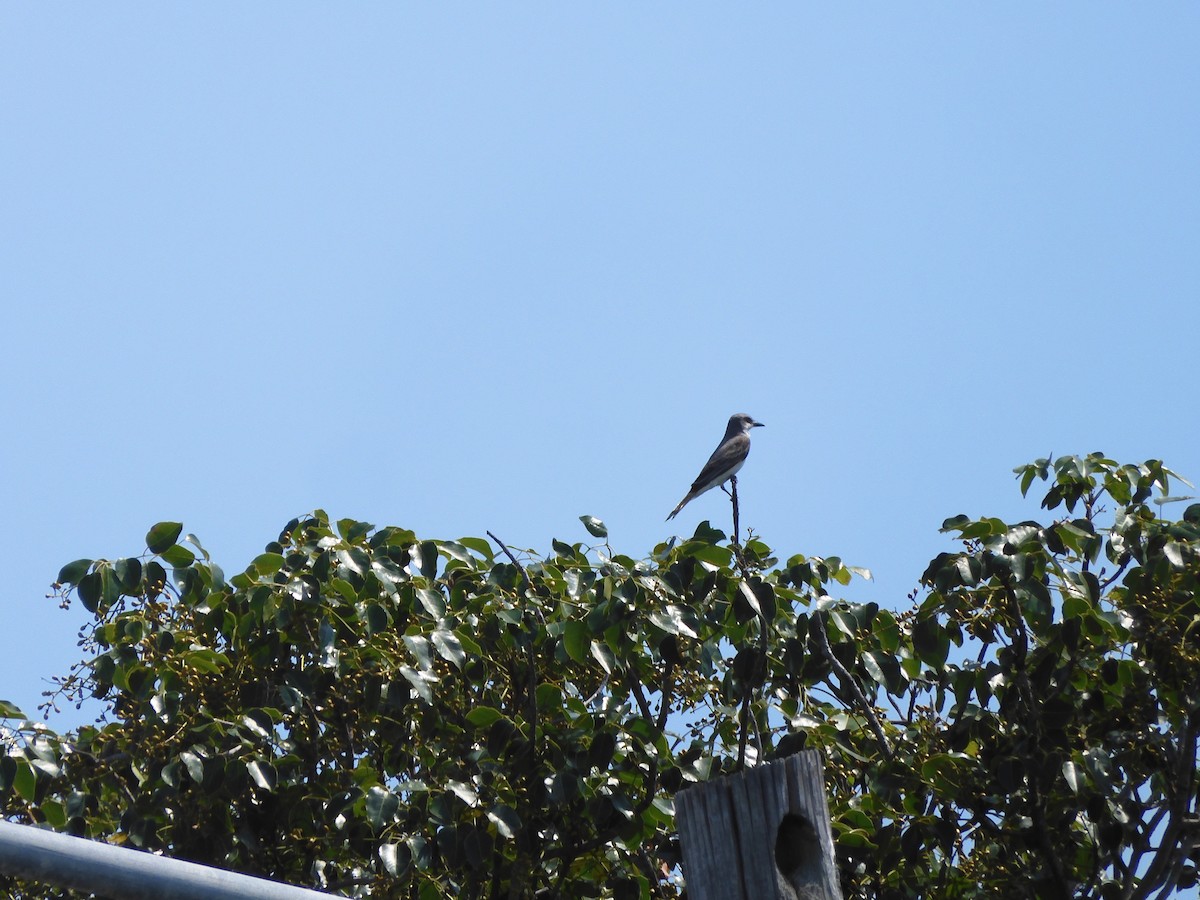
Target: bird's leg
733 479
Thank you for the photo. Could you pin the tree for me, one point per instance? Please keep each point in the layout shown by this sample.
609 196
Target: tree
364 710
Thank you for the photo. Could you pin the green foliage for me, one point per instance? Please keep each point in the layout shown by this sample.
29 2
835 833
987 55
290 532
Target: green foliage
386 716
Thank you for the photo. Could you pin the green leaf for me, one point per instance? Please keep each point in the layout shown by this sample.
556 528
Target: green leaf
477 844
595 527
355 559
457 551
353 531
195 542
1073 775
943 771
10 711
549 696
128 573
418 646
263 774
675 620
258 724
420 684
931 642
603 654
25 781
343 589
506 820
55 813
468 643
73 571
479 545
427 559
204 659
709 553
377 619
162 536
706 534
448 647
844 622
155 577
883 669
484 716
381 806
1027 477
463 791
396 858
90 590
955 523
193 764
886 630
178 556
576 639
433 602
267 563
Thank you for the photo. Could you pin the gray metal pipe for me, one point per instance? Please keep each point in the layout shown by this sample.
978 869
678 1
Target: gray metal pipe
70 862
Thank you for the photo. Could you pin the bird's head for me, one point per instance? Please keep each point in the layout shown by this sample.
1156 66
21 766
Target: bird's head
740 423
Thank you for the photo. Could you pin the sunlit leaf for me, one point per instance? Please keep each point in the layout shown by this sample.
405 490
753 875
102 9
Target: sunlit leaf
262 773
10 711
594 526
448 647
433 602
507 822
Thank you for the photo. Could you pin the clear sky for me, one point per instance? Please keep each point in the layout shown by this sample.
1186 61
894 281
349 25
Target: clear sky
493 266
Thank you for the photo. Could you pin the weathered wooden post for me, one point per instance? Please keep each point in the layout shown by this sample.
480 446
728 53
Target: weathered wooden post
762 834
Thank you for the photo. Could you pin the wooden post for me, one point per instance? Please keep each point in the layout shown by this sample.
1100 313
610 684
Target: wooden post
123 874
762 834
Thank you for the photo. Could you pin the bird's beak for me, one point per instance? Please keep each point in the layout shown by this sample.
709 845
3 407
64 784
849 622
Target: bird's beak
756 424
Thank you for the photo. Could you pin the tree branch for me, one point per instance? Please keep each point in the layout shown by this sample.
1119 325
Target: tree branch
1169 845
733 497
664 692
531 714
1025 690
851 684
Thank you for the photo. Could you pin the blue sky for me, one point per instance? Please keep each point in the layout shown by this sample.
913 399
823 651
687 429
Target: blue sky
494 267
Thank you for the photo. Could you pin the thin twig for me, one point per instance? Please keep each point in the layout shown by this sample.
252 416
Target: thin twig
524 575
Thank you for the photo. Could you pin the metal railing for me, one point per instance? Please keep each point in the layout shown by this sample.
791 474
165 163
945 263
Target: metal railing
36 854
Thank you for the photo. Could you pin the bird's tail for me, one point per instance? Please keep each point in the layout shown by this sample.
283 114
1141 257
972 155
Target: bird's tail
682 504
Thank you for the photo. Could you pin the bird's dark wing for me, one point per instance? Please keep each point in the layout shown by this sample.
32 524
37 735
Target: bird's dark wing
724 458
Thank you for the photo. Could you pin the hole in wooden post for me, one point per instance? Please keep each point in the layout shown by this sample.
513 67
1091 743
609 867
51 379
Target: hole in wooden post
797 850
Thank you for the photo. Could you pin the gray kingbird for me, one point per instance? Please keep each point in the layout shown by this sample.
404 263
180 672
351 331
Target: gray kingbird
726 460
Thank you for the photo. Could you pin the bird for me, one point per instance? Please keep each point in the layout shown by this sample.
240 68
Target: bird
726 460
